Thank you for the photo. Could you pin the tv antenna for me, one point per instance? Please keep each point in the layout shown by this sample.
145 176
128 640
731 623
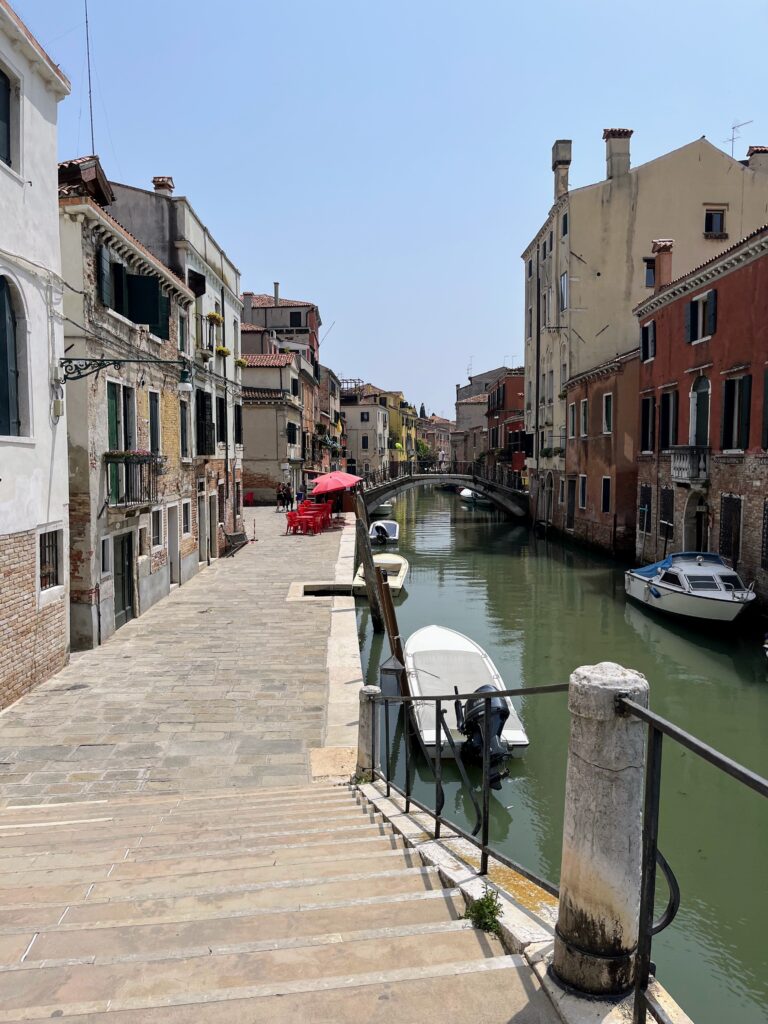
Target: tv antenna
469 367
327 333
90 90
735 133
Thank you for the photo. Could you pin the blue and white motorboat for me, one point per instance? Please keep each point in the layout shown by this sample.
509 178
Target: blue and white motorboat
693 584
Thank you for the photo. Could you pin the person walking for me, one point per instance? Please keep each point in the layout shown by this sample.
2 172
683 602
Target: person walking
280 498
288 495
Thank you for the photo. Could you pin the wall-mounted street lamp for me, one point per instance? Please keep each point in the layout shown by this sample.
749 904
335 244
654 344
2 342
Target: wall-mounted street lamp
76 368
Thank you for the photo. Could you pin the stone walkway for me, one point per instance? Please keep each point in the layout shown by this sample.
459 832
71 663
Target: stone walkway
221 684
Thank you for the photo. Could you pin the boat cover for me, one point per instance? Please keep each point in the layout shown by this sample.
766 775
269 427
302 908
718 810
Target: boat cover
438 672
649 571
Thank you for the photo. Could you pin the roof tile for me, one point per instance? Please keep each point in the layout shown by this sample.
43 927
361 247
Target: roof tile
268 358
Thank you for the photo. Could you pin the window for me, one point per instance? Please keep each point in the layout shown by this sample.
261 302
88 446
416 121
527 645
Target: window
730 527
582 490
294 319
668 420
647 423
605 496
49 559
572 420
737 393
644 509
529 323
530 268
184 429
666 513
701 317
205 436
292 432
135 296
608 413
548 309
563 291
563 374
157 528
154 422
650 273
699 416
106 556
364 442
10 411
648 341
544 249
583 417
700 581
671 578
121 431
714 224
183 329
550 386
238 423
551 243
564 224
238 497
222 505
221 419
186 517
6 93
295 386
365 417
561 492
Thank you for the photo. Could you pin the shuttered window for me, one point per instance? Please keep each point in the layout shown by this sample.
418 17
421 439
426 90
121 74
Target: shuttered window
764 441
143 299
104 275
647 423
644 509
5 118
737 398
204 431
238 424
221 419
668 420
730 527
648 341
666 513
701 317
154 422
10 420
184 429
292 433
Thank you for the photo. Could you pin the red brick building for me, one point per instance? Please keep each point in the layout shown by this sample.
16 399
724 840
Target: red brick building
703 409
595 501
505 417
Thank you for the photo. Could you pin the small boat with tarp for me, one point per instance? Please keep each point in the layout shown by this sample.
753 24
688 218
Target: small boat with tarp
691 584
394 567
385 531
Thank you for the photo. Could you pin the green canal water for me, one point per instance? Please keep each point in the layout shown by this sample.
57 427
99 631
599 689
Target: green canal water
540 609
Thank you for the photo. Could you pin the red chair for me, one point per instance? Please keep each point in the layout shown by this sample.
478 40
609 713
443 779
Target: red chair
292 524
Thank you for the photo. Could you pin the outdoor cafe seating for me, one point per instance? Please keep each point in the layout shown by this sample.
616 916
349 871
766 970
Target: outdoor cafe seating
310 517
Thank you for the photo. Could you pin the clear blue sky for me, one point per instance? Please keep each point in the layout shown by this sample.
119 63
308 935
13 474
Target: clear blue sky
390 160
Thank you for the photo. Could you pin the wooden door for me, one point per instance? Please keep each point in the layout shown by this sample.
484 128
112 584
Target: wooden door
123 579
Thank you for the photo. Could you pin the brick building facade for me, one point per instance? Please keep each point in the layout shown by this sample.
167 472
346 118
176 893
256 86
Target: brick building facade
703 410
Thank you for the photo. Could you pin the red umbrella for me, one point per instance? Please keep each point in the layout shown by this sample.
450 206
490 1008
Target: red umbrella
336 481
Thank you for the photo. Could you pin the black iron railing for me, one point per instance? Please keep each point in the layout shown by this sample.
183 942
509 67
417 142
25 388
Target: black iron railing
499 475
131 478
658 727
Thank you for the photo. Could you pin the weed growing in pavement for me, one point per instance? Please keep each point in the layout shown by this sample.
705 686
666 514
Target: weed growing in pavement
485 912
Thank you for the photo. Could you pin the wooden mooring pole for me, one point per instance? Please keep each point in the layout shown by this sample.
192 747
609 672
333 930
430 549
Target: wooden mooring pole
364 554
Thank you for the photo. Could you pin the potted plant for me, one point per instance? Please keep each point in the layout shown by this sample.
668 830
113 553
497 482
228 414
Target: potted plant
223 351
214 318
242 363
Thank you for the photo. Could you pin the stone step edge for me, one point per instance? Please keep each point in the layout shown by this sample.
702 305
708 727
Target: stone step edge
315 985
262 946
400 897
246 887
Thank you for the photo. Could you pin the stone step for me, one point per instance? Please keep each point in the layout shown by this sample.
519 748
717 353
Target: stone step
494 990
209 868
124 861
93 988
55 886
339 923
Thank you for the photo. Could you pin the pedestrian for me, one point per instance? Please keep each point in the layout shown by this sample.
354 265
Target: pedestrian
288 495
280 498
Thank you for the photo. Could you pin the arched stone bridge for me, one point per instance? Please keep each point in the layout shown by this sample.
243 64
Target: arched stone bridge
509 500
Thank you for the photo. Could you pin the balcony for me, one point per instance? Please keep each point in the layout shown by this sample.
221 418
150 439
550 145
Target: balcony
131 478
690 464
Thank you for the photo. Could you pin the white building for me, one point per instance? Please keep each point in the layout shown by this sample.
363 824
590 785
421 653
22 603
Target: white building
34 577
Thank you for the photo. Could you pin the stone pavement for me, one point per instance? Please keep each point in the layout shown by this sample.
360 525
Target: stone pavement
222 684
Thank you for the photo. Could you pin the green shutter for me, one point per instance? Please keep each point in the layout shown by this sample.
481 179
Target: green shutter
5 118
652 343
673 426
711 325
726 432
162 328
744 411
104 268
10 423
143 299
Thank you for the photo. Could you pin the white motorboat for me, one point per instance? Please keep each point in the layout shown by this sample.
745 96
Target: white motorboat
386 508
470 497
694 584
437 660
385 531
394 566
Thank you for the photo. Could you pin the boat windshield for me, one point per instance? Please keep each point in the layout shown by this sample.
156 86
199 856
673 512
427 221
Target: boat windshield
731 581
701 581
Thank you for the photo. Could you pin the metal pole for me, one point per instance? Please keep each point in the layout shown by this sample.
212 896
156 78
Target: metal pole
648 877
486 787
438 766
407 731
374 724
387 751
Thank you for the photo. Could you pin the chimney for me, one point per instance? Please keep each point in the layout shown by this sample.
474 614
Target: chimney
164 184
662 250
617 151
757 158
277 293
561 161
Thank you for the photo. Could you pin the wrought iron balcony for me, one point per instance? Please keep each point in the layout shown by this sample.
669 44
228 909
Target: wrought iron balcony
131 478
690 464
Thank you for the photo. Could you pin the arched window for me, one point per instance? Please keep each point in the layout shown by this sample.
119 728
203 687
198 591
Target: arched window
10 423
699 432
5 118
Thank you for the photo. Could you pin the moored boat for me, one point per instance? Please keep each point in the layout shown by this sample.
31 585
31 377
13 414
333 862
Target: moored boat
442 661
386 508
396 568
692 584
385 531
470 497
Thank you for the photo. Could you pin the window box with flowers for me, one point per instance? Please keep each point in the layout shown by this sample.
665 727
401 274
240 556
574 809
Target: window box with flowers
223 351
214 318
242 363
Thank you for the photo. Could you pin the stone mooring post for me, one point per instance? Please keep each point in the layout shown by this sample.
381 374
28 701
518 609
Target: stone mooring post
597 926
366 728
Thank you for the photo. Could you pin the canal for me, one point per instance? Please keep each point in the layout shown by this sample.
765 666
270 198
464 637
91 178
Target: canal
540 609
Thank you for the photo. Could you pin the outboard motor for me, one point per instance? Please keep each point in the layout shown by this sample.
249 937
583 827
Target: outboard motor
381 533
471 720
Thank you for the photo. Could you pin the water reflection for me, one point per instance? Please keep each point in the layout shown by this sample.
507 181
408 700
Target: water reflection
540 609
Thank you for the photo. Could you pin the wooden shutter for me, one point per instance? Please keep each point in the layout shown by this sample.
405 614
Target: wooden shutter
10 423
154 422
238 424
183 429
5 118
112 416
689 321
162 328
726 432
644 342
652 340
764 442
143 299
744 411
104 273
711 324
673 418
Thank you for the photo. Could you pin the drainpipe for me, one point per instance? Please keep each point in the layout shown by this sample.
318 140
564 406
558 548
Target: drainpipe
536 450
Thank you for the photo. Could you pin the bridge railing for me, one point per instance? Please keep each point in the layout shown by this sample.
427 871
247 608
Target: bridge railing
500 475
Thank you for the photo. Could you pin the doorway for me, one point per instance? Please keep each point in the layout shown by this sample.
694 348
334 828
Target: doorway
213 525
201 532
549 488
173 545
696 523
123 579
570 508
